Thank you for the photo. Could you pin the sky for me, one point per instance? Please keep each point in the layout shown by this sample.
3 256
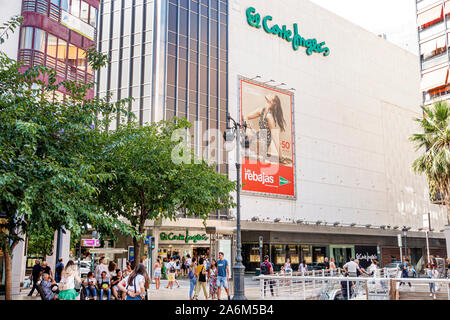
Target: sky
395 18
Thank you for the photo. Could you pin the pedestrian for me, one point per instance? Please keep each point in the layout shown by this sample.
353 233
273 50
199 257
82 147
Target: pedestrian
136 284
326 264
360 270
46 269
303 268
115 280
352 268
212 278
46 285
58 270
112 267
404 269
177 270
90 285
170 276
372 270
432 273
188 261
157 274
267 269
347 288
333 268
223 275
201 279
128 270
101 267
183 267
36 275
67 283
192 277
105 286
287 267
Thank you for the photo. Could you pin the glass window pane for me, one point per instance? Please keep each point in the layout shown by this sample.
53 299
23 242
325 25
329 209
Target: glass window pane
65 5
62 49
72 55
55 2
81 64
173 16
93 17
39 40
84 12
194 25
182 73
183 21
27 38
52 44
75 8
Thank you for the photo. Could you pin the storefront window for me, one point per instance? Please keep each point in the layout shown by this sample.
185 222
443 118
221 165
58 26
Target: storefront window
307 254
279 254
26 42
293 253
319 254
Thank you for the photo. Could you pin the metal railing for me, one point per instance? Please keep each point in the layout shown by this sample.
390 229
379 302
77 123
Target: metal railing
337 287
43 7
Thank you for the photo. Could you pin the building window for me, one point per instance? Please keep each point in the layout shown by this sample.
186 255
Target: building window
26 42
75 8
84 14
39 40
65 5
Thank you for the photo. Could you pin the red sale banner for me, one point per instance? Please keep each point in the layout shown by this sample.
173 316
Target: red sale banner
268 164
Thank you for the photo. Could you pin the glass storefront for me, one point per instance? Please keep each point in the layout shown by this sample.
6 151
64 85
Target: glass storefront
342 254
312 255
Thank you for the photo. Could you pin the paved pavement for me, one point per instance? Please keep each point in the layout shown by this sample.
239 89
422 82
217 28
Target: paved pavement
181 293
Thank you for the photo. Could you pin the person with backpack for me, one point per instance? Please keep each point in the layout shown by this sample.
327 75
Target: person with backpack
192 277
267 269
201 279
58 270
136 284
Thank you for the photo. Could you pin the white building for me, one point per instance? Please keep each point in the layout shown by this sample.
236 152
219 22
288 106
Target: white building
353 115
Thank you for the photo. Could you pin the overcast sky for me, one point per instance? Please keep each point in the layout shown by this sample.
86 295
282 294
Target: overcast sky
395 18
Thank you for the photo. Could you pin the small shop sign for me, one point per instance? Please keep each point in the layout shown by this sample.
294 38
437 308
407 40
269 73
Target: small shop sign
95 243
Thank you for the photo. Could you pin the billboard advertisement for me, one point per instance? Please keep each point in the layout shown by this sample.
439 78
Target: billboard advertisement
268 165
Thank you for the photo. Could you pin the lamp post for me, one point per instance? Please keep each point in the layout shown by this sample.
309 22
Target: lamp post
231 133
405 230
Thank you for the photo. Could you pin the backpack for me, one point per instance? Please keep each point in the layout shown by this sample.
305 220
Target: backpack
265 270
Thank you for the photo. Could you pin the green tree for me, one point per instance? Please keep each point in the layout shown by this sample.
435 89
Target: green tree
152 183
434 142
40 241
47 154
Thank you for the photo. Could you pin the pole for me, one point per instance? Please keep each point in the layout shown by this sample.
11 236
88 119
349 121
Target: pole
428 247
406 250
238 268
79 257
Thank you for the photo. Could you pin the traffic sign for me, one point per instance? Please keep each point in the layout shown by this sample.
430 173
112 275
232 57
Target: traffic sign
399 237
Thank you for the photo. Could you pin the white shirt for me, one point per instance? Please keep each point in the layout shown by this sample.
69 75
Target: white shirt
99 269
351 266
138 280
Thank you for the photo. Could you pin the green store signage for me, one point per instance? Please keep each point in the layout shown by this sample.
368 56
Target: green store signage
311 45
183 237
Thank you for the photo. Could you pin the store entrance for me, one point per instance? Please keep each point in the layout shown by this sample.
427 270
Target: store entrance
200 252
342 256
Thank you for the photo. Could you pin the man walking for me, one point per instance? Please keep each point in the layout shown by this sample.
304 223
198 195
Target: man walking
267 269
58 270
223 275
404 268
35 275
352 268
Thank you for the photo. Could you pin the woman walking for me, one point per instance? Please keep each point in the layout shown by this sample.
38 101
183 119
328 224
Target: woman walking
192 277
136 284
212 278
157 274
302 268
333 268
201 282
67 283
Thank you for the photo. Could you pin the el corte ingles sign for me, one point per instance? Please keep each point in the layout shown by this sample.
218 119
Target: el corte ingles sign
186 238
311 45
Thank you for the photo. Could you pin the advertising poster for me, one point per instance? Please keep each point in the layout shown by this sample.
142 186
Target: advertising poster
268 165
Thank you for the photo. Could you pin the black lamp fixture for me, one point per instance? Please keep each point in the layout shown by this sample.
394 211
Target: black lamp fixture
368 225
336 224
277 220
299 221
318 222
352 224
395 227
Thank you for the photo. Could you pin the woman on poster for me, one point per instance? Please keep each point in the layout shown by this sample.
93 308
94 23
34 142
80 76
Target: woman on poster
271 122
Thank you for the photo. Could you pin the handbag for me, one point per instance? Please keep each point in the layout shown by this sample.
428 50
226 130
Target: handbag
191 275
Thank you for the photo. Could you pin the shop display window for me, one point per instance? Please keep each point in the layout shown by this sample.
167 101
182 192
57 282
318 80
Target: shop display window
307 254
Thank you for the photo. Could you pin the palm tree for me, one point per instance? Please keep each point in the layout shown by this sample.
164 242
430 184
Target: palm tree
435 142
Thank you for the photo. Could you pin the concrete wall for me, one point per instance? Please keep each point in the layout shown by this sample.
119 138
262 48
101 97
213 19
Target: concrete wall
10 9
354 113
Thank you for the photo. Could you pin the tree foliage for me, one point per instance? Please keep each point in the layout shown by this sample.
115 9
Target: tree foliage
151 181
434 142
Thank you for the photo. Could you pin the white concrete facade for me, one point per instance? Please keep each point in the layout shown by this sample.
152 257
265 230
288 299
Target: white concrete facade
353 116
9 10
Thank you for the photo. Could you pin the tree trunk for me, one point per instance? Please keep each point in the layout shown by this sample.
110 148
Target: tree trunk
137 251
447 205
8 274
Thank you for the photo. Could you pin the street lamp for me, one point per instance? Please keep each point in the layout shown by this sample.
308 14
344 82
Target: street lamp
405 230
234 132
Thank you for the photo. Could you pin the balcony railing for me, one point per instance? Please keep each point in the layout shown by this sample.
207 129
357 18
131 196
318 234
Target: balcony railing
33 57
55 13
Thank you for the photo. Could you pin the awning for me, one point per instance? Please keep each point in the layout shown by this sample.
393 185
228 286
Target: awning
430 15
434 79
429 46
